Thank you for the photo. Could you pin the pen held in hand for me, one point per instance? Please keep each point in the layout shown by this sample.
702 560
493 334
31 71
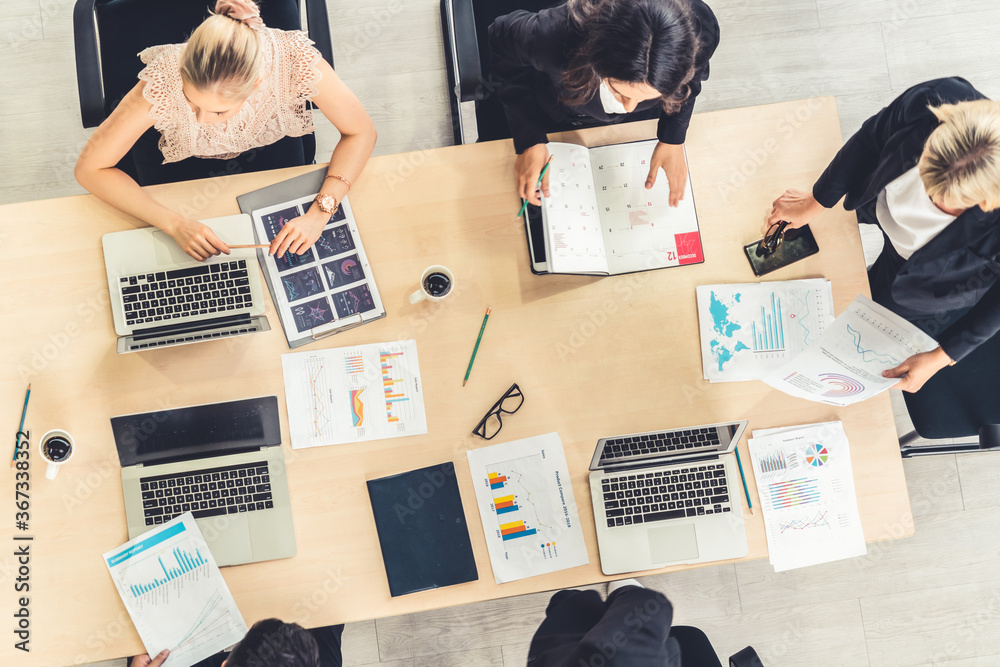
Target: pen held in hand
541 176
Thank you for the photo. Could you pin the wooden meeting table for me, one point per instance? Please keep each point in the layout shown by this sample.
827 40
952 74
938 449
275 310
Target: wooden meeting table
593 356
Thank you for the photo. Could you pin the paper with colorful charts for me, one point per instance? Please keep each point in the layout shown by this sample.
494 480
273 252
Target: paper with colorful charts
354 394
844 366
328 284
600 218
805 484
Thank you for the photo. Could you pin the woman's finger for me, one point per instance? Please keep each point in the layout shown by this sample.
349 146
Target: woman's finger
545 183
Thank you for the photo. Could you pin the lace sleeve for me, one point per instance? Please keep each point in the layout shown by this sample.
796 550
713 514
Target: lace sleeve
162 85
304 59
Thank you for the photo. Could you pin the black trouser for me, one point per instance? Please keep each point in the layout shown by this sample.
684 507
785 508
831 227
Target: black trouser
150 170
630 628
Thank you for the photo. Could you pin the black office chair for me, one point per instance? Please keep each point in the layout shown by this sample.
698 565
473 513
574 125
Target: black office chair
467 53
109 34
960 401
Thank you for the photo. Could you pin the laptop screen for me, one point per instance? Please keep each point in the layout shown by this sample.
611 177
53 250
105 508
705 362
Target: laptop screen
194 432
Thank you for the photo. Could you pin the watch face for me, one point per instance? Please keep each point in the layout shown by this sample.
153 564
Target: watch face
327 203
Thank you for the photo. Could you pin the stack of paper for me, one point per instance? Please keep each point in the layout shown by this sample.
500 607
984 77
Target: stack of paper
174 593
806 487
525 498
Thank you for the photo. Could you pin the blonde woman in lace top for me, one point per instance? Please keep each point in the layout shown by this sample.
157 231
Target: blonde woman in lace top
233 87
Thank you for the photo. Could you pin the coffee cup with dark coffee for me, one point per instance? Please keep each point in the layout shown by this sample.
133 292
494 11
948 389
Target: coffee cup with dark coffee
56 447
436 283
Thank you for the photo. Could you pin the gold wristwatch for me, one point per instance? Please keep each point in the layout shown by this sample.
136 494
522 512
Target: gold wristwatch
327 203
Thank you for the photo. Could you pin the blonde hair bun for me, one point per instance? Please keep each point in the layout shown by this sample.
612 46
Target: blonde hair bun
246 11
225 53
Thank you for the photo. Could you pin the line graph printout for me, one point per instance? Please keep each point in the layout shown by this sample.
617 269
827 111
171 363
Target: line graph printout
526 503
174 593
748 330
353 394
846 363
806 486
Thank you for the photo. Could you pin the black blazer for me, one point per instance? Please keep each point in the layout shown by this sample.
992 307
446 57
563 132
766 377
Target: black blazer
634 621
957 269
529 54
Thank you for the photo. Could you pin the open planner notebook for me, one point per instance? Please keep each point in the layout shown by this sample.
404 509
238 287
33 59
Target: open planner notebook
600 219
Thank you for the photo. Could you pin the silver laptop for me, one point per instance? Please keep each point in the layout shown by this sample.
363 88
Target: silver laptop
668 497
223 463
160 296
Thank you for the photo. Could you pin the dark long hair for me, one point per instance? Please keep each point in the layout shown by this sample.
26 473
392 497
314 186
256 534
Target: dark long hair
637 41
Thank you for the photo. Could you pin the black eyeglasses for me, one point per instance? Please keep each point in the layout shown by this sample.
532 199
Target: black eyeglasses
509 403
772 239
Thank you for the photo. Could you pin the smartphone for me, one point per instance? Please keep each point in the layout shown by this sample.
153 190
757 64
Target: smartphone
797 244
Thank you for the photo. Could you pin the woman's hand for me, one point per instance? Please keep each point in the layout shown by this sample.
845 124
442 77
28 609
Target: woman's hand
197 239
669 157
299 234
145 661
795 207
528 166
918 369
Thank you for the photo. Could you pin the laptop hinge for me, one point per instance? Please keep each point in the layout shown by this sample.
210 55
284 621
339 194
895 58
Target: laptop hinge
217 322
661 461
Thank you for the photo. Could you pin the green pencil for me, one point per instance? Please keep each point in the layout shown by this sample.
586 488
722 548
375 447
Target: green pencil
20 428
743 477
537 185
476 348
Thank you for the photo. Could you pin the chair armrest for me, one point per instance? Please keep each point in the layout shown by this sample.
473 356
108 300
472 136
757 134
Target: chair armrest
318 26
462 49
88 63
745 658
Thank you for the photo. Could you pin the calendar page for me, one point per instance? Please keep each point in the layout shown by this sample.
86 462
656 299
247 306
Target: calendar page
639 228
573 239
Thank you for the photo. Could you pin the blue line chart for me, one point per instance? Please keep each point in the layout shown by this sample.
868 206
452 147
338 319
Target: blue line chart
885 358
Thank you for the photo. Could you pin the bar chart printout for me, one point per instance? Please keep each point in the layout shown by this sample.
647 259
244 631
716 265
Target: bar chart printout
341 395
527 507
810 510
174 593
748 330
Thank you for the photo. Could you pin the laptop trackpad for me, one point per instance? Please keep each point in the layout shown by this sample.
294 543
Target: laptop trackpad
673 543
228 538
167 251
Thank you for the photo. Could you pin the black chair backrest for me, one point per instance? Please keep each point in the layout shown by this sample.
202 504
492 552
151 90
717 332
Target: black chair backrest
958 400
126 27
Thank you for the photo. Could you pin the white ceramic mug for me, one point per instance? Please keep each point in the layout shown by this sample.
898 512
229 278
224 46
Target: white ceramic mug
422 293
53 466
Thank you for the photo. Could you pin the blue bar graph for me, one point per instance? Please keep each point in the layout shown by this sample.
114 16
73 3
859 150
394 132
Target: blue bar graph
769 333
184 563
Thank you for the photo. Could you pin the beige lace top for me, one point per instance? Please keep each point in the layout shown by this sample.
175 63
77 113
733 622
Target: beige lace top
276 108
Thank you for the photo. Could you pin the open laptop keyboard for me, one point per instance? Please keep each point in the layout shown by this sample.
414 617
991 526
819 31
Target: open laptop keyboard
221 287
245 487
660 442
677 493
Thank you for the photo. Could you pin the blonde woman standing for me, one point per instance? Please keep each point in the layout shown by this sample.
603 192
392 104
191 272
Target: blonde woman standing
233 91
926 170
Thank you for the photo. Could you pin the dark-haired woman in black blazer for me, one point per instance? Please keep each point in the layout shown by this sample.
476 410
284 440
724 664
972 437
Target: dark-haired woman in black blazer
926 170
594 62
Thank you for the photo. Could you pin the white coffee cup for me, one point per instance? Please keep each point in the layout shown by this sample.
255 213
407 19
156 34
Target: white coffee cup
53 466
427 289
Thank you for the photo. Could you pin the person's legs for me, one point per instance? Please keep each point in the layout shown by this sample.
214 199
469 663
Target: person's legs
286 152
696 649
330 646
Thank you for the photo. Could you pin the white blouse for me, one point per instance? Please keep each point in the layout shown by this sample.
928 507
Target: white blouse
908 216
